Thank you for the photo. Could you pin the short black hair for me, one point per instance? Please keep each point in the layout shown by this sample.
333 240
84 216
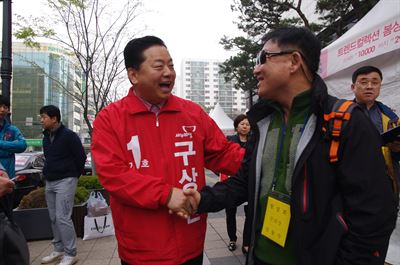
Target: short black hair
238 119
4 101
133 52
366 70
300 38
51 111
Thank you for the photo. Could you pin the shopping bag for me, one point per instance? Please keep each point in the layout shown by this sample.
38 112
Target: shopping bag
97 205
100 226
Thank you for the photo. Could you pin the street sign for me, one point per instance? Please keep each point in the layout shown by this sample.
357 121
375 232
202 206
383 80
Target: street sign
28 121
34 142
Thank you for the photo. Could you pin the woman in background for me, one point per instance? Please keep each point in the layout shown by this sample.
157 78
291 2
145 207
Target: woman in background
242 128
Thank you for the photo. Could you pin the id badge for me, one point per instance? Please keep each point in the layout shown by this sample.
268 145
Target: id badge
277 218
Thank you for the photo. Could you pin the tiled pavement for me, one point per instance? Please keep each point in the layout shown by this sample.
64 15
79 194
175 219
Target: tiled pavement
103 251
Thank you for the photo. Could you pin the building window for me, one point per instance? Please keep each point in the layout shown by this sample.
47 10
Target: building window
77 122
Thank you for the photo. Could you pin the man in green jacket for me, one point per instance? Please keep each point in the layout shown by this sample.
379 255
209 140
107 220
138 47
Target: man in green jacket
307 210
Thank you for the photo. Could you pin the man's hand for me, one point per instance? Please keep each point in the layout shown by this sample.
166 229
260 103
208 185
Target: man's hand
6 185
394 146
179 204
194 198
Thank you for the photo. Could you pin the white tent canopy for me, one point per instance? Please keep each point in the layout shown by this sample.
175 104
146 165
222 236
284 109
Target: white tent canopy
374 40
222 120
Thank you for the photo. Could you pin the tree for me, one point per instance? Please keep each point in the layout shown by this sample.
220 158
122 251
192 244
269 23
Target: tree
94 34
239 67
337 16
256 17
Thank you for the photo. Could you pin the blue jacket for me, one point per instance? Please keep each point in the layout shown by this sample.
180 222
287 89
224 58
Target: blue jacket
390 120
11 141
387 111
65 156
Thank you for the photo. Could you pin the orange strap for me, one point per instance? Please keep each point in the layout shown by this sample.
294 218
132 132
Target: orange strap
338 117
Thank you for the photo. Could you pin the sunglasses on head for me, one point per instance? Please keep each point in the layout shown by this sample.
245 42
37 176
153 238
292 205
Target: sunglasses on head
263 55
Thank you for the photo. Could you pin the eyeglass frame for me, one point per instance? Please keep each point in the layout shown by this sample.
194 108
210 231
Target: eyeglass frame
263 55
366 83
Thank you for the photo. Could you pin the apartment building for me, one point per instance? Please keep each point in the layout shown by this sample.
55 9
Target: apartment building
201 82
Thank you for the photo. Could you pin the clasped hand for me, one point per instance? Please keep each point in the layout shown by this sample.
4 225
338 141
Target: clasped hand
184 203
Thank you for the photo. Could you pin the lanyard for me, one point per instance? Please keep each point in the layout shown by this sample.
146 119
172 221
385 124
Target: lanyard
280 150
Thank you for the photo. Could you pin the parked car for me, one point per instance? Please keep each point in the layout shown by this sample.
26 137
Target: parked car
28 174
88 165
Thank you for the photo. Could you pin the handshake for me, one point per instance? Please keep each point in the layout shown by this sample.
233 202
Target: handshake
184 203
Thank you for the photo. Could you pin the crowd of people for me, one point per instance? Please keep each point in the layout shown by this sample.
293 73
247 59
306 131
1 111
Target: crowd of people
320 185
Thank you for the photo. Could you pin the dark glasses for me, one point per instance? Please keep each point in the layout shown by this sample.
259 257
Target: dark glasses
263 55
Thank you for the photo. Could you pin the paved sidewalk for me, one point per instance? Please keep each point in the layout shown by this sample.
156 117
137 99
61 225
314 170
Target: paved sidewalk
103 251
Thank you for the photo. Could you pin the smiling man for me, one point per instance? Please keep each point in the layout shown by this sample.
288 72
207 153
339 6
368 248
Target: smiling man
305 209
149 146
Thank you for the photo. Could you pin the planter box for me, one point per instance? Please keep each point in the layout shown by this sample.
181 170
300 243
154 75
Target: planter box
78 216
36 225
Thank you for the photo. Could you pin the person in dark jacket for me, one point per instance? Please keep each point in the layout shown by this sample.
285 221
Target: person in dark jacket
366 86
13 246
305 209
242 129
65 160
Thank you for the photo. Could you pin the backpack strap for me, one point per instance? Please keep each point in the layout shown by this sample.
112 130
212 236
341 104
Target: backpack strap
337 120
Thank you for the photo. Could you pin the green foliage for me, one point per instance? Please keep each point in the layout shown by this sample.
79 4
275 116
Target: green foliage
239 67
81 195
28 35
89 182
37 197
336 15
34 199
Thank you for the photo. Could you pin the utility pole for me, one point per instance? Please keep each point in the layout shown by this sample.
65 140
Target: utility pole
6 62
